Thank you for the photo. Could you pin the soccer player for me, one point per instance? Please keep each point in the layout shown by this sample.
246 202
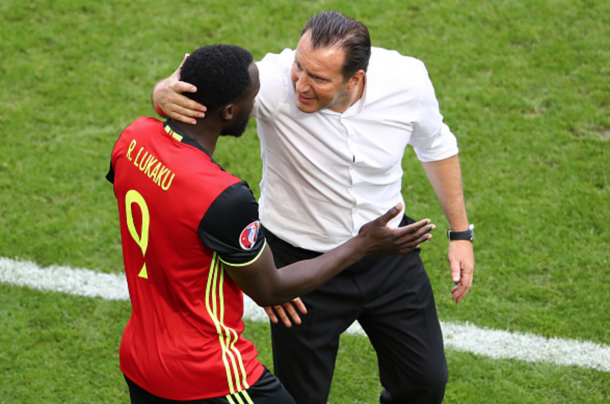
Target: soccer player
192 243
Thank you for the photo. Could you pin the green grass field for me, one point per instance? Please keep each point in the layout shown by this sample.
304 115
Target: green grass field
524 85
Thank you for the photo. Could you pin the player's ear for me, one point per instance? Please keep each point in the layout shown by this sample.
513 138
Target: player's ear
229 111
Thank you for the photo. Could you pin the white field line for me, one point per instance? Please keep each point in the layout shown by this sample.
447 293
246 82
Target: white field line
496 344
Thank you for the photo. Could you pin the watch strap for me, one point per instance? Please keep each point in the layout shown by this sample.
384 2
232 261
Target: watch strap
462 235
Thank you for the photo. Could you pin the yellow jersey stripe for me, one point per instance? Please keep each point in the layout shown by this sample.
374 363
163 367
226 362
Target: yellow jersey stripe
233 362
229 340
247 397
172 133
244 381
239 400
210 295
246 263
224 333
232 338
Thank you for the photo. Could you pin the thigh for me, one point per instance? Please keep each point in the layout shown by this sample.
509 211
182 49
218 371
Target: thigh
304 355
401 321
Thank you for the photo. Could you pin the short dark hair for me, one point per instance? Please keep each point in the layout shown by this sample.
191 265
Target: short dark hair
330 28
220 73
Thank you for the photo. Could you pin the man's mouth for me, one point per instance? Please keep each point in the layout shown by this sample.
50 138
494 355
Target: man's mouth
304 99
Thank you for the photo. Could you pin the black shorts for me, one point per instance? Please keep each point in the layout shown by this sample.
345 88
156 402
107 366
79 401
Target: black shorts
267 390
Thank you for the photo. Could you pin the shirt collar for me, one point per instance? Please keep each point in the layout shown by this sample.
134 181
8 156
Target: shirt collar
182 137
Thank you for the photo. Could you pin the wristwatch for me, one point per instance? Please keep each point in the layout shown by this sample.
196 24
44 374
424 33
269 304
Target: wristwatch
462 235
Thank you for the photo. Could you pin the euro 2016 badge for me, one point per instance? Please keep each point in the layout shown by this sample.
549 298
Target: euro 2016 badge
249 235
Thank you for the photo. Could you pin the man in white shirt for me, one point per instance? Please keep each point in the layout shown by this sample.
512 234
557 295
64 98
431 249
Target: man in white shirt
334 118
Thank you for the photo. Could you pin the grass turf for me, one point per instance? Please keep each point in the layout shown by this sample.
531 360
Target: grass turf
523 85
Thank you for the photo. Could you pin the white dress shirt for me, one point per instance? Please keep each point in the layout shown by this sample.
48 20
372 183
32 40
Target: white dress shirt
325 174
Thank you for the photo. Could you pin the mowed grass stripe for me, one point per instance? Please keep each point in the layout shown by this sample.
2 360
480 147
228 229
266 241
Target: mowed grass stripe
496 344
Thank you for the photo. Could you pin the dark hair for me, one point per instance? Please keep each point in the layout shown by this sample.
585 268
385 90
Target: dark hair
220 73
330 28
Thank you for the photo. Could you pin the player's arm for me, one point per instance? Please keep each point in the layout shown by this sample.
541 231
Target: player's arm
168 101
269 286
446 179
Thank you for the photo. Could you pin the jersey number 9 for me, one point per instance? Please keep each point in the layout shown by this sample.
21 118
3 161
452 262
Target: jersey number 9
132 197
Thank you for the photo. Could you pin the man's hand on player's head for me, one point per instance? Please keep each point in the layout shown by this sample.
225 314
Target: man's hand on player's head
168 100
380 239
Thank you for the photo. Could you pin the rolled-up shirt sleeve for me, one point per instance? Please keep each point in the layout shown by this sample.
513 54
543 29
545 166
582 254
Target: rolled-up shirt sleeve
431 139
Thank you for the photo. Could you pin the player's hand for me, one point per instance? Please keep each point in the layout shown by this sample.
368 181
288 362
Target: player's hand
461 262
167 99
380 239
286 312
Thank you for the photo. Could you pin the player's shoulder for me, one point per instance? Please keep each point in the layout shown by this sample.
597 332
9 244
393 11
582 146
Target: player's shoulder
140 128
145 121
143 124
240 187
232 202
211 175
238 191
231 225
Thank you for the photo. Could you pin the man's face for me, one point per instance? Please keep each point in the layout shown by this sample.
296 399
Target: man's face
317 77
245 106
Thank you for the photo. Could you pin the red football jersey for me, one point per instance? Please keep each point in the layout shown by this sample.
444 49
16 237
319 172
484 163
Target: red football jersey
181 217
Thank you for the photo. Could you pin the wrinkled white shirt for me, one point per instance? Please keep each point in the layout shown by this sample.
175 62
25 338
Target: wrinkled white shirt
325 174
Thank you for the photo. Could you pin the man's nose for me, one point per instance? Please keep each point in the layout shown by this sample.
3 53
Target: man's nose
302 83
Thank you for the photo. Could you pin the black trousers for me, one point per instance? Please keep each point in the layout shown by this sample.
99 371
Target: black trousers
267 390
392 299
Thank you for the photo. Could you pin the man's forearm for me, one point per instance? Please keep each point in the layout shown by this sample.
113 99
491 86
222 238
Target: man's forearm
445 176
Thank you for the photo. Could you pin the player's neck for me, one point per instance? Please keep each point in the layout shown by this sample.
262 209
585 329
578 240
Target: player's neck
204 133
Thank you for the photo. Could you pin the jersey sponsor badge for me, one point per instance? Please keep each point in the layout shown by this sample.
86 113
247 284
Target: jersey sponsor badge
249 235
